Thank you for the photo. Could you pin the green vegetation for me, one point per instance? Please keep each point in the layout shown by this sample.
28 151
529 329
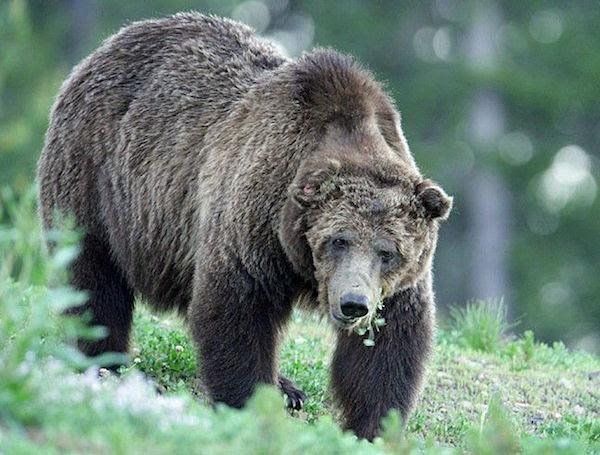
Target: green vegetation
547 390
522 396
480 325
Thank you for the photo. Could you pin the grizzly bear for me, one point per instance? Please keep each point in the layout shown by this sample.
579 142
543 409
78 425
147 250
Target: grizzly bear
215 176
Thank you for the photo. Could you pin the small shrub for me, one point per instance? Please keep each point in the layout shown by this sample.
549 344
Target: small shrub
521 351
481 325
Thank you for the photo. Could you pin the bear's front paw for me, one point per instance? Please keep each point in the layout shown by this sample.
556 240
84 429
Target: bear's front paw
295 397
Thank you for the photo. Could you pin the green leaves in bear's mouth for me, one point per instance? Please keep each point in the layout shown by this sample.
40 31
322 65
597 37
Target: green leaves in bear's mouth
375 325
370 323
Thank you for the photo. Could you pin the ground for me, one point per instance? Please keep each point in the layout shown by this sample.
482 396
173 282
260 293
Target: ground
548 391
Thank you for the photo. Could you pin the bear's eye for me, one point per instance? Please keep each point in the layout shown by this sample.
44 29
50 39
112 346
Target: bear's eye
340 243
386 256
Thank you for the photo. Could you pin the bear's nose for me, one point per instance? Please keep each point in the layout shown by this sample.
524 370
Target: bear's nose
354 305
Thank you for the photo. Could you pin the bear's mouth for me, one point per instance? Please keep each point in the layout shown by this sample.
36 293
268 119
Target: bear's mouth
359 324
342 321
349 323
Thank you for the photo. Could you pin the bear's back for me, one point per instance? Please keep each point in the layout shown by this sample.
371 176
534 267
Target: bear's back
186 59
131 119
192 48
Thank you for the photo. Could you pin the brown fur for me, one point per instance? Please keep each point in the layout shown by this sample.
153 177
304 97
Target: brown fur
179 146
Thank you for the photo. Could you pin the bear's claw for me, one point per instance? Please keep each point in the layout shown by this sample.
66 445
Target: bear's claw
294 397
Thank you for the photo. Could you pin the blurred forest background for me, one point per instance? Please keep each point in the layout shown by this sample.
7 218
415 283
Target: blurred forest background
500 103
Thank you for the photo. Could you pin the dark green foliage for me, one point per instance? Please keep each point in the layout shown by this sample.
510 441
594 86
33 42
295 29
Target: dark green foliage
30 75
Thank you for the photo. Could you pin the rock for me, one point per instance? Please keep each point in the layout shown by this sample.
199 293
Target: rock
536 419
104 372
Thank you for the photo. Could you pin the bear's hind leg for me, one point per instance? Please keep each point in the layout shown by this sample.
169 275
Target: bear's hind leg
110 300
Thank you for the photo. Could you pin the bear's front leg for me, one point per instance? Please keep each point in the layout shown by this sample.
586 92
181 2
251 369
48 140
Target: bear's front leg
369 381
236 327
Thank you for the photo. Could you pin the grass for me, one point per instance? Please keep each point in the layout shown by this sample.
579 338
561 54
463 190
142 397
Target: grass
548 391
480 325
485 392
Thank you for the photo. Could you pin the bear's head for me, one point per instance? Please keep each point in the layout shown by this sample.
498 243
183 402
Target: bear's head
361 229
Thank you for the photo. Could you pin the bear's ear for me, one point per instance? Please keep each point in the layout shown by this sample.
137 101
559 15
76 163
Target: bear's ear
312 185
434 200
